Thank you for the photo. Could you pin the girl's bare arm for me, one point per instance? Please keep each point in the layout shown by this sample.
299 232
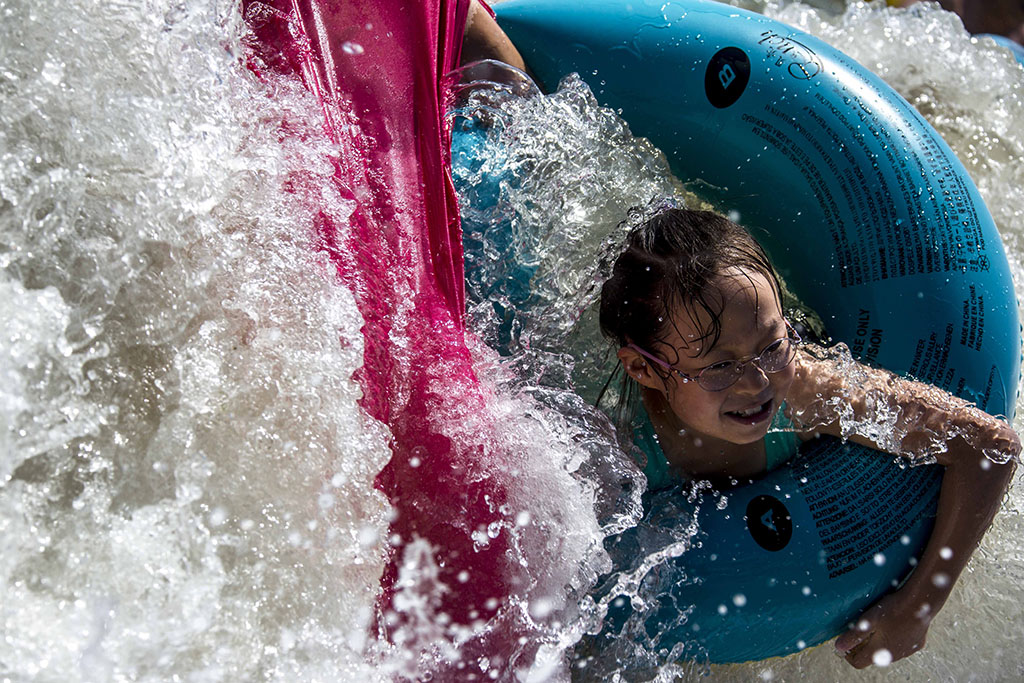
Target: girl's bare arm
918 421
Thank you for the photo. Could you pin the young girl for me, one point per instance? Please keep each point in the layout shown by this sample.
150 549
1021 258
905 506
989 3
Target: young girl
694 306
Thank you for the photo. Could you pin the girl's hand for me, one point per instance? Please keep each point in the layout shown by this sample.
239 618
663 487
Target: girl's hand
891 629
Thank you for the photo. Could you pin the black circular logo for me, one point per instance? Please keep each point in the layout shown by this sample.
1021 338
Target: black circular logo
726 77
769 523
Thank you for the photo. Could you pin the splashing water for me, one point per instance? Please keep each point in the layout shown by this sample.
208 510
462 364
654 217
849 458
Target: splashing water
185 474
181 431
186 488
884 421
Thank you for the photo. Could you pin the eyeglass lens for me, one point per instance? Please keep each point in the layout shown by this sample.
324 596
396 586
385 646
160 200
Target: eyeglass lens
774 358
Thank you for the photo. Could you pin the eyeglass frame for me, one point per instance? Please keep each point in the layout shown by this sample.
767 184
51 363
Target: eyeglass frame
792 336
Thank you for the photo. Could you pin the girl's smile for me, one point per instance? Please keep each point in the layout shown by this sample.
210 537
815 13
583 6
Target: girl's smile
754 415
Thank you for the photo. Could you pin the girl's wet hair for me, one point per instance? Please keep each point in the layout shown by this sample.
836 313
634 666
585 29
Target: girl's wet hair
670 264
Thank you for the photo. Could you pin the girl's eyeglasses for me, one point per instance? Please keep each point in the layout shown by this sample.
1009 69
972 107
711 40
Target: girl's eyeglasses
722 375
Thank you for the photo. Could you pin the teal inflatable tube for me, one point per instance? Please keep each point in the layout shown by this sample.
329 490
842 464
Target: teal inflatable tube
874 223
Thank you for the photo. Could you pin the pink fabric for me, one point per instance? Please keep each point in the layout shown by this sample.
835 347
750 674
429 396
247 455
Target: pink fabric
377 66
365 58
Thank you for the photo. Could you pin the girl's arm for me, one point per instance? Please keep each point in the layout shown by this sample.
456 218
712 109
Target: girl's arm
915 420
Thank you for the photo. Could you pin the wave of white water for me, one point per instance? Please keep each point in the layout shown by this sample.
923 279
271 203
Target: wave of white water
185 474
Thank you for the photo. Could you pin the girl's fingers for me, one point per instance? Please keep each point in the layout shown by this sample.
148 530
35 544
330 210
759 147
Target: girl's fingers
847 642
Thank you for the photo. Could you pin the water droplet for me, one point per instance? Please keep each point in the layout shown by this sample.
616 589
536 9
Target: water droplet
218 516
52 73
351 48
541 607
882 657
368 537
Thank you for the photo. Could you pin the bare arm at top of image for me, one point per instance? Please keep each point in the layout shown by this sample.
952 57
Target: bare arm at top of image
978 451
484 39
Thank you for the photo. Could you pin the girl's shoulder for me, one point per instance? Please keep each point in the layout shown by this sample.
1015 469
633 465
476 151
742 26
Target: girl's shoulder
655 465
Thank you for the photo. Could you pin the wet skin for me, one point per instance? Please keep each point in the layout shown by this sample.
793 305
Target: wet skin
717 432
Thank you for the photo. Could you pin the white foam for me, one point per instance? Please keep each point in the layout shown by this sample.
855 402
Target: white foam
185 473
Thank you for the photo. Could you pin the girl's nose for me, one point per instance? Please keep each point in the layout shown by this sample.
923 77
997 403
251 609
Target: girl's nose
754 379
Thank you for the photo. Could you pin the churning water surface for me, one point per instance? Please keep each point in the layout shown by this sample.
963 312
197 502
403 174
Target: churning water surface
185 473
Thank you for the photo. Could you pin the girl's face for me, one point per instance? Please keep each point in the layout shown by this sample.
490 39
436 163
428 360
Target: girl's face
751 319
